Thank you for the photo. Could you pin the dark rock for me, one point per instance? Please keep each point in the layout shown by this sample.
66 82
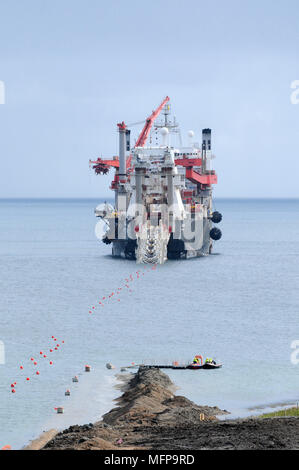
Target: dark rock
83 439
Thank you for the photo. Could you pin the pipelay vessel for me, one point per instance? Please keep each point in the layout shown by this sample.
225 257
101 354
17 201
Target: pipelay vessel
163 193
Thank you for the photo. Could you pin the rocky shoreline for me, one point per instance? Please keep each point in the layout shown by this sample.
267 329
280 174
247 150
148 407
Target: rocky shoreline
150 416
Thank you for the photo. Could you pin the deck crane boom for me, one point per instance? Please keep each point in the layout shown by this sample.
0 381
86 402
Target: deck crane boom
148 124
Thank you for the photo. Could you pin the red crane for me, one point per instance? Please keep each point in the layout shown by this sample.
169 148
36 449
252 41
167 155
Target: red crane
148 124
101 166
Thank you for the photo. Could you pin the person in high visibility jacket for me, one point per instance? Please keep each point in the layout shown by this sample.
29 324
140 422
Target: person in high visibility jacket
209 360
196 360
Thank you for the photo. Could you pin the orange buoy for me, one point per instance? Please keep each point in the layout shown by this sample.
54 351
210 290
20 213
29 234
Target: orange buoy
27 379
13 391
21 367
37 372
51 363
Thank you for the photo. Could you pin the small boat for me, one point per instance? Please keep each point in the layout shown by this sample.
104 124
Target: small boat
194 366
210 365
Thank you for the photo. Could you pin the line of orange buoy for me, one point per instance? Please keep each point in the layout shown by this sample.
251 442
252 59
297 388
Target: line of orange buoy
117 292
35 363
56 345
101 302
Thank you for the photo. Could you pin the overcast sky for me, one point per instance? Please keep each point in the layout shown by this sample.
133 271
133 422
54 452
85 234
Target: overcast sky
73 69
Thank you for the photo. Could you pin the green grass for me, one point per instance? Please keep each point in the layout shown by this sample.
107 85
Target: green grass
287 412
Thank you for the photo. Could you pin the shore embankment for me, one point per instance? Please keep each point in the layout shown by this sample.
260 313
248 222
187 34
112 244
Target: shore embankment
150 416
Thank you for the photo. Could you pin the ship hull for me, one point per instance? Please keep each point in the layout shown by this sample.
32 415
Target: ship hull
177 248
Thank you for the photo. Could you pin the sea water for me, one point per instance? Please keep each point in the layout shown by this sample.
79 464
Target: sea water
239 305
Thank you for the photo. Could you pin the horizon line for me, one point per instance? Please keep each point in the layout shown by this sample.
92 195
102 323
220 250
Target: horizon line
66 198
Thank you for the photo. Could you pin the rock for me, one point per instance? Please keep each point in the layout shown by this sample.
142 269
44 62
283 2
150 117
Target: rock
83 439
97 444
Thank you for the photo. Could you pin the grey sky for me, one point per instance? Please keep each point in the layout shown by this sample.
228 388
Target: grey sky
73 69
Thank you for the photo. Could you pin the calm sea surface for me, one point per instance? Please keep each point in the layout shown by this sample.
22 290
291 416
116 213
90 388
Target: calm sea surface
239 305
